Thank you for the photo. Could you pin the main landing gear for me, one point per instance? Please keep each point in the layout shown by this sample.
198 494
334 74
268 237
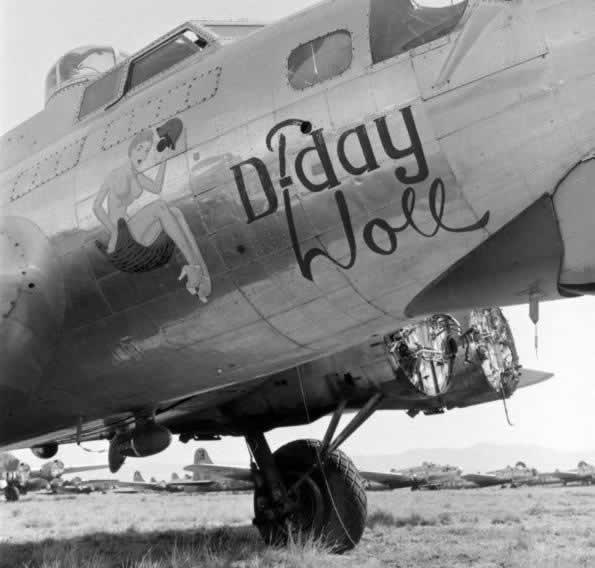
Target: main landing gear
11 491
311 488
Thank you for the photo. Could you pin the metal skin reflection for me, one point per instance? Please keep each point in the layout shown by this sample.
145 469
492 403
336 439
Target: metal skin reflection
310 256
436 194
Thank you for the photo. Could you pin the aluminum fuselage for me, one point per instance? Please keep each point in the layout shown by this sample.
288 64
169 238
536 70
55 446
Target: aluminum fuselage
472 153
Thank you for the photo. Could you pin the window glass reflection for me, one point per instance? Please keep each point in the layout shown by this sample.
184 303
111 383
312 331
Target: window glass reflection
101 92
164 57
320 59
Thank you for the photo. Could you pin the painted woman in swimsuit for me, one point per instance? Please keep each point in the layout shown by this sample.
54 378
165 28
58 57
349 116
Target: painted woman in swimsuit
122 187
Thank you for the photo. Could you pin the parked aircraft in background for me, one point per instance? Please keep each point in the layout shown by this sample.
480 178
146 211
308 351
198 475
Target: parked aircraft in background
20 478
176 477
204 239
225 477
382 480
76 486
583 474
515 476
426 476
138 483
432 476
54 470
101 485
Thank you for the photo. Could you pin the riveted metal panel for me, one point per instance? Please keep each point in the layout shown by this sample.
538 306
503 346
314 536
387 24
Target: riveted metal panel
168 102
147 112
48 167
24 182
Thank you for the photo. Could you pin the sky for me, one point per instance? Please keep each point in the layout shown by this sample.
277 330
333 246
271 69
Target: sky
556 414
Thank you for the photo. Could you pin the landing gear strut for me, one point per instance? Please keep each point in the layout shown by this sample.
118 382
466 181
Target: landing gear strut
311 487
11 493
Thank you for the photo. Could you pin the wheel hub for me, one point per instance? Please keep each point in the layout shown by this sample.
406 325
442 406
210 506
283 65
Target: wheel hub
306 502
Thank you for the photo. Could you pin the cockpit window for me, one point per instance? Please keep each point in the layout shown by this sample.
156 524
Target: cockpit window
101 92
78 65
397 26
163 57
320 59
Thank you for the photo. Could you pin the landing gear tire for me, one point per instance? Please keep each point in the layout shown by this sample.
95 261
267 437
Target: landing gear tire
329 504
11 493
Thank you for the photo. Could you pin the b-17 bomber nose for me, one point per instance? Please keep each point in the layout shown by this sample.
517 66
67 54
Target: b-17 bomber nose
31 310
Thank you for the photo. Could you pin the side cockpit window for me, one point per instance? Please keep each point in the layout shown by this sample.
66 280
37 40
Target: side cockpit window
397 26
163 57
101 92
107 88
320 59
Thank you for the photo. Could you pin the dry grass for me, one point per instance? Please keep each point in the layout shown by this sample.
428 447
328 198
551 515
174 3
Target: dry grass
217 548
545 527
383 518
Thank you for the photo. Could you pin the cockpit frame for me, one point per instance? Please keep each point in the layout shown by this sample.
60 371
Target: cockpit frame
65 74
123 89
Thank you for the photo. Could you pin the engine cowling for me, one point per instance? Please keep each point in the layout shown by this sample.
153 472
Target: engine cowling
32 302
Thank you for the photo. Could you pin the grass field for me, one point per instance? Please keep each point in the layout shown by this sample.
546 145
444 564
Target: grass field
528 527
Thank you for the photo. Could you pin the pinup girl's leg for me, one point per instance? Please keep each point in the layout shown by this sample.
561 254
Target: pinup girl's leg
196 283
189 236
146 224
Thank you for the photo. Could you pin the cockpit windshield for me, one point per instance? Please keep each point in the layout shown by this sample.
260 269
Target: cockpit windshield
397 26
78 64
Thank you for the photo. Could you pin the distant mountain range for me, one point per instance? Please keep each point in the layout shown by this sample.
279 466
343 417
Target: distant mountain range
480 457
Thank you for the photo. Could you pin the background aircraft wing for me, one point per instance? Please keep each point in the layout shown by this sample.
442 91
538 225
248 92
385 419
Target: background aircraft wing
483 480
80 468
140 485
69 489
104 484
394 480
191 483
216 472
568 476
